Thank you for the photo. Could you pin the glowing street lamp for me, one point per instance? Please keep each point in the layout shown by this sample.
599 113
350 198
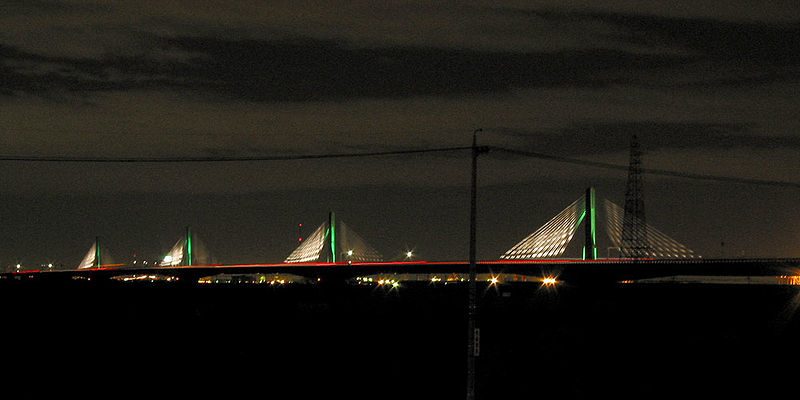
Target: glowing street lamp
409 254
549 281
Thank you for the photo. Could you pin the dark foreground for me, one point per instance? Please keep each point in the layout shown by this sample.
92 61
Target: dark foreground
310 341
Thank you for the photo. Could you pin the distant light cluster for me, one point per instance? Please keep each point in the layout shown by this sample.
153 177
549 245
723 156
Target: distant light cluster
146 278
396 280
253 279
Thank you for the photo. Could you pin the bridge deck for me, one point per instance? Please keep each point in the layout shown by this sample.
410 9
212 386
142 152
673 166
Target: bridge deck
608 270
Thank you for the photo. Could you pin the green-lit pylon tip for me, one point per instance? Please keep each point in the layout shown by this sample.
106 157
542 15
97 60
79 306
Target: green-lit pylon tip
590 245
189 246
97 251
332 227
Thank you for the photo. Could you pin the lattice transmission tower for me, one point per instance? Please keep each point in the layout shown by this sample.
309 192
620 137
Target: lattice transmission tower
634 228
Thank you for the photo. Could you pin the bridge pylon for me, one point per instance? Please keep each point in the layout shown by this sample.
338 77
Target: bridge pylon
188 246
552 238
590 226
187 251
333 241
94 257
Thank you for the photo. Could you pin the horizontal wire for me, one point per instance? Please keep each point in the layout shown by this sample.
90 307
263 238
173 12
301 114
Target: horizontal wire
543 156
222 158
651 171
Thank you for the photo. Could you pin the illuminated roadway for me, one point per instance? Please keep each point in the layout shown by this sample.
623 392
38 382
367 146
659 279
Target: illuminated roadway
579 271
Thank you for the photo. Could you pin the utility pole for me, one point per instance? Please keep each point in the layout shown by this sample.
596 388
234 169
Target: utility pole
473 333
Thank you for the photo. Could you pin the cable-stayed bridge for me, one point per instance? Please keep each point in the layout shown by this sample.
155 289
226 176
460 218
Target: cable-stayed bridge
334 252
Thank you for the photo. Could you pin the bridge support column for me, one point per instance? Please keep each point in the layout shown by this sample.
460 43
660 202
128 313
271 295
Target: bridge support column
590 245
189 246
332 235
97 252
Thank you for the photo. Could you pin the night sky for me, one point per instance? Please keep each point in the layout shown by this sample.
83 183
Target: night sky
708 87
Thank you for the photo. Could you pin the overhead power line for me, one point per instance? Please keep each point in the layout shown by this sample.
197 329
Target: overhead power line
650 171
542 156
224 158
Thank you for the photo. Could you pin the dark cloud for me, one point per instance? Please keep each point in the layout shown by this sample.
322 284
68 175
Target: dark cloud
26 72
638 50
715 39
313 70
34 8
718 41
716 52
732 54
706 52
